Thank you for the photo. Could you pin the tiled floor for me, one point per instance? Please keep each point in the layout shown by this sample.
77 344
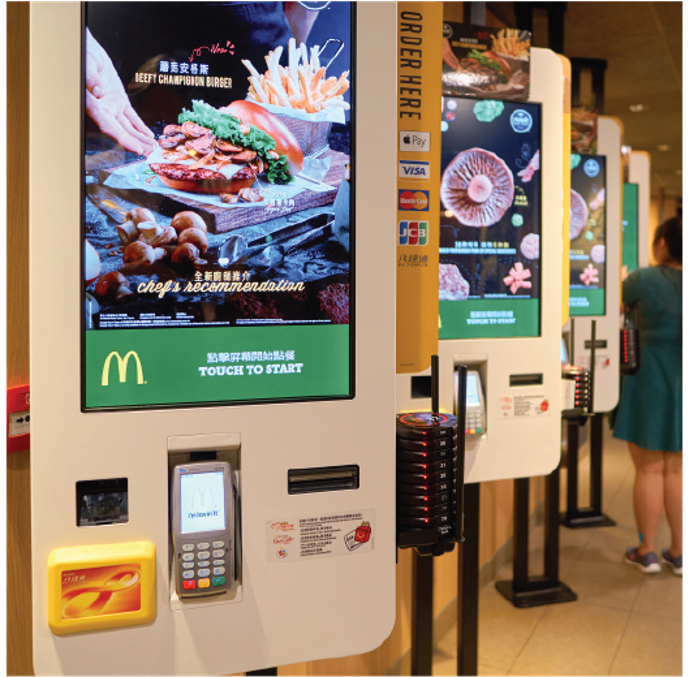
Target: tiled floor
624 622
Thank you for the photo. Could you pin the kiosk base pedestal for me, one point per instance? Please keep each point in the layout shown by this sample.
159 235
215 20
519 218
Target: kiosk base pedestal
586 518
538 593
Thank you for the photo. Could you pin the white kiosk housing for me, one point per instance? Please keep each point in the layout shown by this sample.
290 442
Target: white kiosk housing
283 607
520 377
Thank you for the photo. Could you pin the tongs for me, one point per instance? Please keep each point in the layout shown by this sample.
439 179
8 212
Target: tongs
278 244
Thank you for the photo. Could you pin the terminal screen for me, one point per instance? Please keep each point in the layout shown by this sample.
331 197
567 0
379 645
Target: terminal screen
630 226
473 398
490 219
216 206
563 352
587 248
202 502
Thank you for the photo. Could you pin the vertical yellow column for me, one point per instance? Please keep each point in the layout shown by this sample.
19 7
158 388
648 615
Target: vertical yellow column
418 210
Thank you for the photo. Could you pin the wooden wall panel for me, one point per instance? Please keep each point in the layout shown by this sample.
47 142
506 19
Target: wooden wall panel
19 650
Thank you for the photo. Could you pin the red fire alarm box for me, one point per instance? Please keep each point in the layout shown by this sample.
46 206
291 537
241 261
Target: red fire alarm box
18 418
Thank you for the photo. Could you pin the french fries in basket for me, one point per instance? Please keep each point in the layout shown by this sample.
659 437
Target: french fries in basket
300 85
507 42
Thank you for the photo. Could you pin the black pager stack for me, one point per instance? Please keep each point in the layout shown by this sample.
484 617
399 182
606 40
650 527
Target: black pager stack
426 482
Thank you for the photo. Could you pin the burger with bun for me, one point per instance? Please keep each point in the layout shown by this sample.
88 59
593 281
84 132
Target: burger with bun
224 150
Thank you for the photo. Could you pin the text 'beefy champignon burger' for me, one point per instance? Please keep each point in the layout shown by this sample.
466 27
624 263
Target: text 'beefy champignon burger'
224 150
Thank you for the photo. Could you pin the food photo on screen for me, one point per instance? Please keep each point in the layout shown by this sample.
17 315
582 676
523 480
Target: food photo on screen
587 235
218 191
217 160
490 228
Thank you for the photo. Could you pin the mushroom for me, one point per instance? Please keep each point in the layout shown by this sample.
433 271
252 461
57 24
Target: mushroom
113 285
140 214
183 220
195 236
149 231
156 235
477 187
453 286
598 253
91 263
128 232
187 254
141 254
578 214
530 246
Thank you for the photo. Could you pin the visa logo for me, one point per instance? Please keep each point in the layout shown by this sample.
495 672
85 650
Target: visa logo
413 233
415 170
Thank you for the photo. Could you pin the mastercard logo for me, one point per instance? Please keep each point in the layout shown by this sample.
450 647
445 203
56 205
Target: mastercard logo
413 200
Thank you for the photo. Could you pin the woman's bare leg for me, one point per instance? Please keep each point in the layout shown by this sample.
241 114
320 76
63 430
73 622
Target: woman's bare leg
673 499
647 495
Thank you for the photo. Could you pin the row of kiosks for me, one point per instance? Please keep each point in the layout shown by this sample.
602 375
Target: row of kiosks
212 458
500 280
595 260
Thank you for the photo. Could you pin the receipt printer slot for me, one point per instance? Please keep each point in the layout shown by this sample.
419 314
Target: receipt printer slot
331 478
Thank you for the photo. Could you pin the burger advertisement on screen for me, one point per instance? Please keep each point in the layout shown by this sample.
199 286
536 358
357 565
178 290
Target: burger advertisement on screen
217 212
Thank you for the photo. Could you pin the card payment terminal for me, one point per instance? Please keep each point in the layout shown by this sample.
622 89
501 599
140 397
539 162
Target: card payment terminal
475 405
202 528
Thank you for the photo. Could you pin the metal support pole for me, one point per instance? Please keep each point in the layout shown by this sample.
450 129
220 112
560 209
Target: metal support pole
572 469
551 555
596 478
527 591
422 615
467 585
521 534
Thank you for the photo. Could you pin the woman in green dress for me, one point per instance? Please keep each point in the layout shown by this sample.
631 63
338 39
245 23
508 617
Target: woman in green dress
650 410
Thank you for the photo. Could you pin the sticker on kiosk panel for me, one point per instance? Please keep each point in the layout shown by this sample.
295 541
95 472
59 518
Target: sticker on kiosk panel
587 236
334 535
524 406
490 219
215 238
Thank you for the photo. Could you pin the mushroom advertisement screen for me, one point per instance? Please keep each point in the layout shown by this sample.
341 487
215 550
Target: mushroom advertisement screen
216 204
490 219
587 236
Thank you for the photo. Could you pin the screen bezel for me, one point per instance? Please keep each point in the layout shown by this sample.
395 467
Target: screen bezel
352 262
538 177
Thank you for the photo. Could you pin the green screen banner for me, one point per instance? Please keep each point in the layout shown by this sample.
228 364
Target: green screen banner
503 318
586 302
630 226
185 366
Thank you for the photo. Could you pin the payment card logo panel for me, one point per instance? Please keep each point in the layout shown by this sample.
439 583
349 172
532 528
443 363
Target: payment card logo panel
414 200
413 233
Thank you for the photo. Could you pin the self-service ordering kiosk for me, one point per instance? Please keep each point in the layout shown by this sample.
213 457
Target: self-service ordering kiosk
213 409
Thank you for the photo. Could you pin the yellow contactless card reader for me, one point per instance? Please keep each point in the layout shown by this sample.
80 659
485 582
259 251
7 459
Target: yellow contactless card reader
94 587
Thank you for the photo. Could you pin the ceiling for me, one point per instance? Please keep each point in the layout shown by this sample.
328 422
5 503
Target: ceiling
642 44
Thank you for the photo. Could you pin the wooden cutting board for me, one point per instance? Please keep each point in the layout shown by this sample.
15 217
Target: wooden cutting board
221 218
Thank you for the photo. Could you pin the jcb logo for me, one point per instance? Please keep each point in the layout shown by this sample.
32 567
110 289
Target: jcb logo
122 367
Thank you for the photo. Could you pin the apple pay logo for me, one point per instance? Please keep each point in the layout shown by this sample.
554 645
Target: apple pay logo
416 141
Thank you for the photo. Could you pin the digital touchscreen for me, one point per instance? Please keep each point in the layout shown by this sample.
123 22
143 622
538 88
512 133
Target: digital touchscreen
216 219
630 226
587 236
490 225
202 502
472 391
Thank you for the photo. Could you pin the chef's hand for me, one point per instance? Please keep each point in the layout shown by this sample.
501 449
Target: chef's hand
449 56
107 103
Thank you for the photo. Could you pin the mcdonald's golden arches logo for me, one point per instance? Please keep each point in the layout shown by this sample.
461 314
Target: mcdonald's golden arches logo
122 367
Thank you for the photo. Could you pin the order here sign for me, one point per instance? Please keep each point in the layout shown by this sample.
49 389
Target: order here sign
418 124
